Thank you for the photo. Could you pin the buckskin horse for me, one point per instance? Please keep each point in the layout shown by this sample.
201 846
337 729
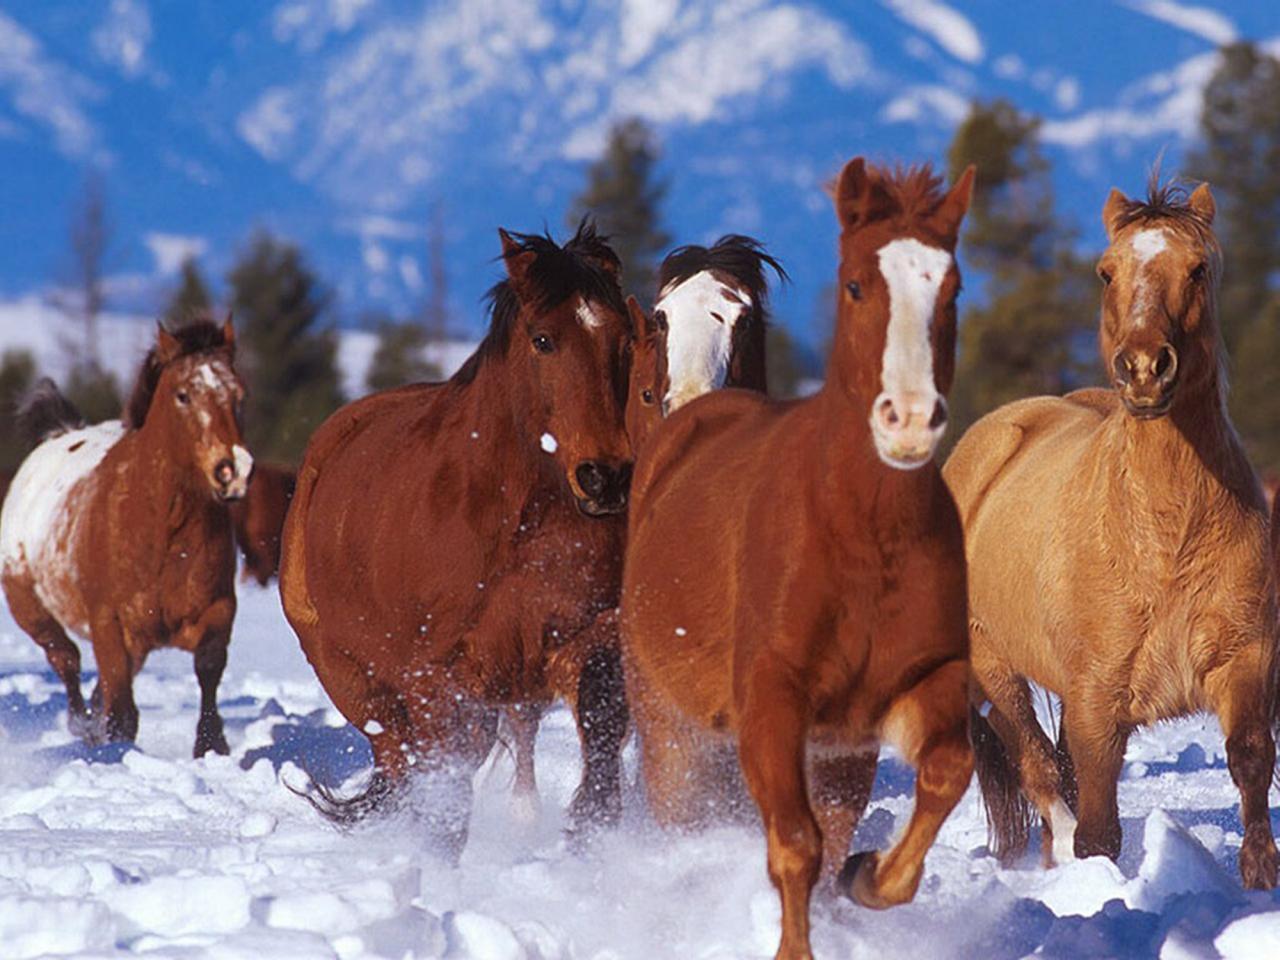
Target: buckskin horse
795 572
119 532
451 548
1118 552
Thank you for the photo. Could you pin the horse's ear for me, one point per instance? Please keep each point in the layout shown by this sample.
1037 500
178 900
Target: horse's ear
1202 203
639 320
168 347
518 262
229 333
1117 203
860 195
956 203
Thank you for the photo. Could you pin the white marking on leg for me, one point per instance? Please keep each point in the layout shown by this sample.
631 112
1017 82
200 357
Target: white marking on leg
701 315
1063 824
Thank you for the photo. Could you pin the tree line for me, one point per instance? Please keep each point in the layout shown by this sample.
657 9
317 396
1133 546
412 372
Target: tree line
1028 327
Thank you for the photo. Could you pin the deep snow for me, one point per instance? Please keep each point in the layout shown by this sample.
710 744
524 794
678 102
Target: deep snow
145 851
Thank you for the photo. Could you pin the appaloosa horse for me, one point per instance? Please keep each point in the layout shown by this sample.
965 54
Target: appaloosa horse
795 572
258 519
454 548
119 532
1118 552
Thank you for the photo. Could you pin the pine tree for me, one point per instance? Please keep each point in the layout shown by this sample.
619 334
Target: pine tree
17 376
400 356
190 299
624 197
1240 158
1033 331
287 359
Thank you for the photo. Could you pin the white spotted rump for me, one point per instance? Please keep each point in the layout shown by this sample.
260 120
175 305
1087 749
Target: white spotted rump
701 314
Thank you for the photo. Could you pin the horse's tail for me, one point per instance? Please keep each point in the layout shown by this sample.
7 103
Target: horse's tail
46 413
378 796
1009 813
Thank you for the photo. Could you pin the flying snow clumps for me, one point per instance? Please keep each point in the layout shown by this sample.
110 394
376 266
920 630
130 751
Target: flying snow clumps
548 443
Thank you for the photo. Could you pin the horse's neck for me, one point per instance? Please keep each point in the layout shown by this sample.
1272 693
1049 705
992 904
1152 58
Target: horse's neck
166 492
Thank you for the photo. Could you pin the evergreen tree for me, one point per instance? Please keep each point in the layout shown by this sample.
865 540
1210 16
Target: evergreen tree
1036 330
400 357
1240 158
288 361
624 198
784 366
190 299
17 376
95 392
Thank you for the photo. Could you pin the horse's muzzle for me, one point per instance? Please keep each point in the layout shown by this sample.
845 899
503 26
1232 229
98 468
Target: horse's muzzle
604 487
231 474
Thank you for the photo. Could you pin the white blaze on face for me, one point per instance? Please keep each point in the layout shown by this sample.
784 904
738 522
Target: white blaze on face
701 313
913 272
1146 245
587 316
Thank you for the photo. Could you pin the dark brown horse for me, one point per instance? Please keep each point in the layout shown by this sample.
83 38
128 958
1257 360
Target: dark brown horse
119 532
259 518
455 548
1118 552
795 572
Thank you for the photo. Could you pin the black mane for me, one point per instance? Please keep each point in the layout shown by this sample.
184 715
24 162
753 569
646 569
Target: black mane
1167 200
198 336
742 258
586 265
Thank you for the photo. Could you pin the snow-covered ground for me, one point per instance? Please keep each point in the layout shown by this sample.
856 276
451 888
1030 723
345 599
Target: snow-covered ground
145 851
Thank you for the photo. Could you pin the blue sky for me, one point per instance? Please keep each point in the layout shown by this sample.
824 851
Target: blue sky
339 123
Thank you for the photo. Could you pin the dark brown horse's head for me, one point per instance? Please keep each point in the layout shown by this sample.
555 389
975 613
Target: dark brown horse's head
649 380
894 352
1159 331
561 323
188 394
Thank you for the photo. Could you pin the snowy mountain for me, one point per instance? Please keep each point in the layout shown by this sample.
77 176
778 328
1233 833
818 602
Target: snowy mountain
339 123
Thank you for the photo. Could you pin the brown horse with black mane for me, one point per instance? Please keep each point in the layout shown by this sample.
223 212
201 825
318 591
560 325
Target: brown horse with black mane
453 548
1118 552
119 532
795 572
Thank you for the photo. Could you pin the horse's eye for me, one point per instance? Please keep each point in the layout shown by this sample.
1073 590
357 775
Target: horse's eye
660 319
183 397
543 344
1197 273
1104 276
647 396
855 291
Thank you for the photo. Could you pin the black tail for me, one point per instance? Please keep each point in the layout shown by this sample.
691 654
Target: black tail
1009 813
379 796
46 413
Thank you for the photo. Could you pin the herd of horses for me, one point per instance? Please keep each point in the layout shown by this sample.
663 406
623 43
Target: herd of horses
604 506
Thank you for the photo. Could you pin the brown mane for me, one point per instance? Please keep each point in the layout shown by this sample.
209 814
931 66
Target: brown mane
916 189
199 336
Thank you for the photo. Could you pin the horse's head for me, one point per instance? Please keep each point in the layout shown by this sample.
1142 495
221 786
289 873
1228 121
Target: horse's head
188 391
711 304
649 380
894 352
571 335
1159 277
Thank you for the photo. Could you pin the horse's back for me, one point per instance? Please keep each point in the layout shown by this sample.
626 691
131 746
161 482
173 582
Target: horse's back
37 498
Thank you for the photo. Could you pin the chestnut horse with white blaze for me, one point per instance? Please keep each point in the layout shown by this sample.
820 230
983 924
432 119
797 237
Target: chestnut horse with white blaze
119 532
1118 552
455 549
795 573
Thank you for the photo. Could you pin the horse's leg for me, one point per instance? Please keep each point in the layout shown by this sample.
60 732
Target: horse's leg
771 746
602 726
118 720
928 724
839 788
1096 740
450 746
211 635
1240 695
63 655
1013 717
523 719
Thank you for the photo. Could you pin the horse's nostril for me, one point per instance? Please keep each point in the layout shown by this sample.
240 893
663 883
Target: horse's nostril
887 412
591 478
1166 363
1120 365
224 472
939 417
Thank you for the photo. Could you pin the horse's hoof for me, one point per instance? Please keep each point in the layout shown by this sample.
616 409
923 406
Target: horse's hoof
1258 864
857 880
216 745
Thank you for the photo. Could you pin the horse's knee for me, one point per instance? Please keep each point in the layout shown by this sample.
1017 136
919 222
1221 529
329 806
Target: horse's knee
1251 755
795 848
945 768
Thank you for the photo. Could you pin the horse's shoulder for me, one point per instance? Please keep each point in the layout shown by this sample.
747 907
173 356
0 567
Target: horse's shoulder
1096 399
